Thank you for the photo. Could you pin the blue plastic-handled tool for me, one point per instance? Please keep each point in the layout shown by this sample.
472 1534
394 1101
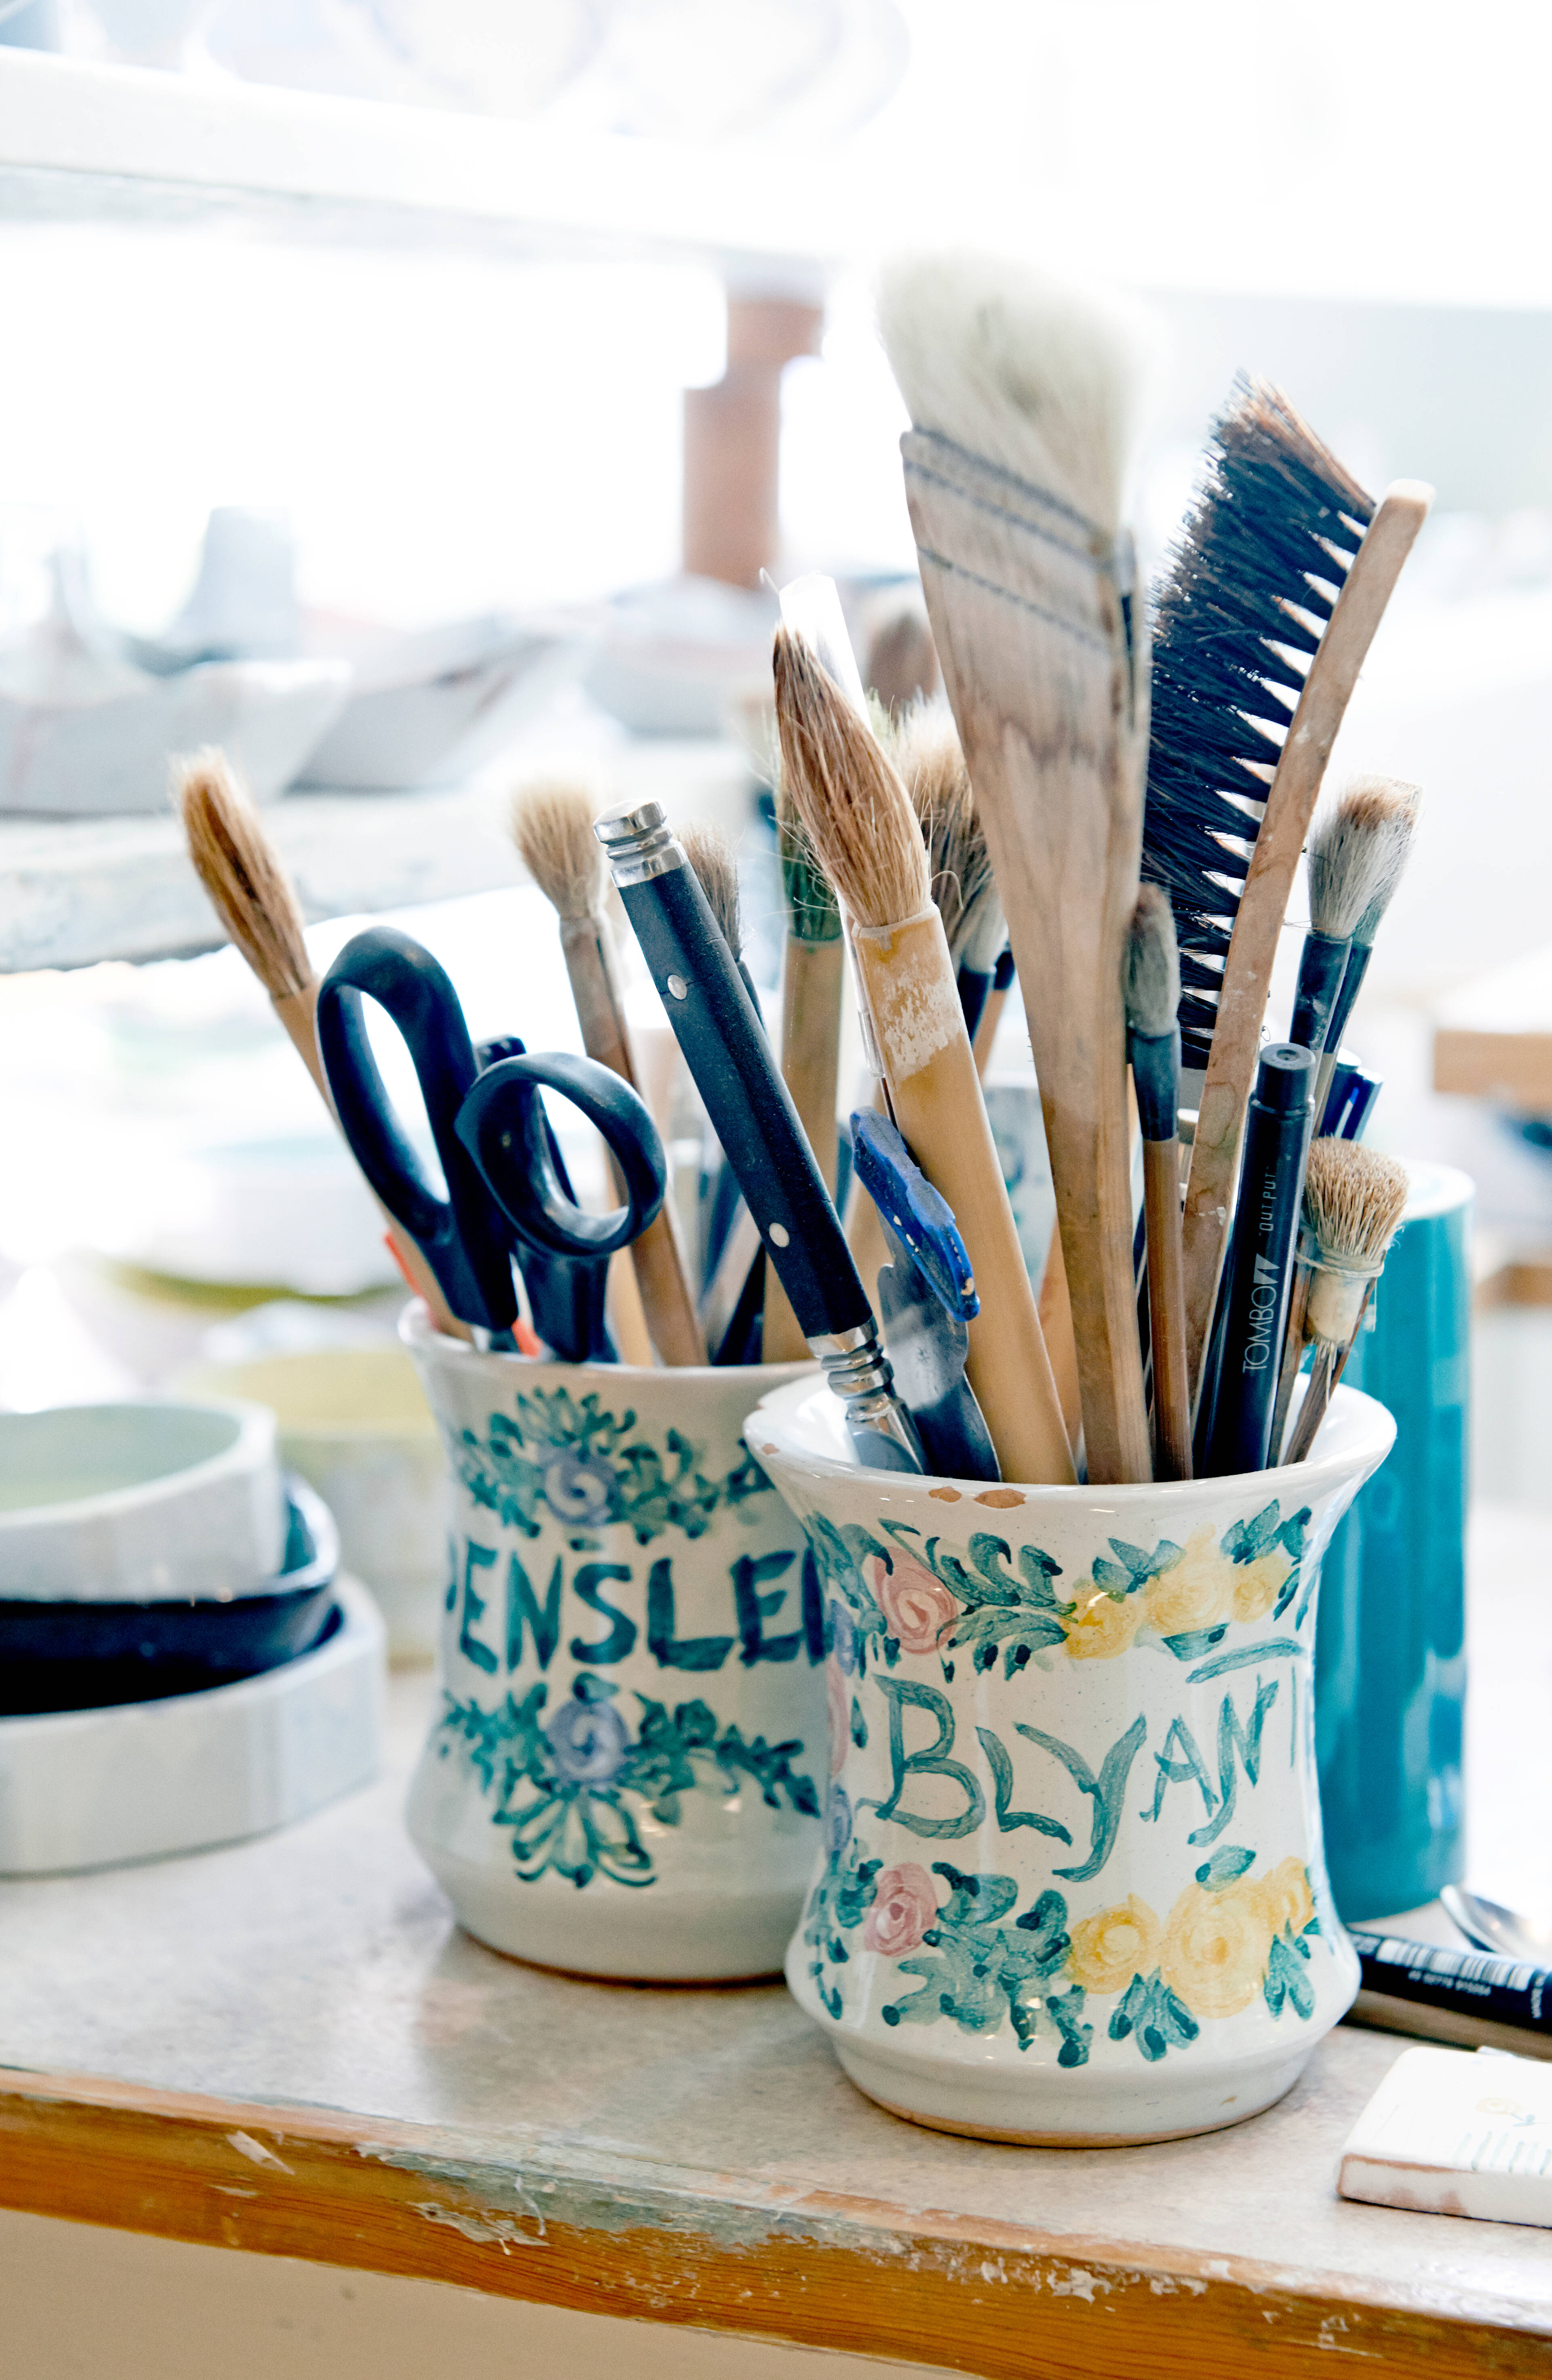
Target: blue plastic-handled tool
920 1215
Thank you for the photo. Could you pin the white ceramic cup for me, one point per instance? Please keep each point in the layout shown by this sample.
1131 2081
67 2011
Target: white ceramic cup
625 1778
1072 1887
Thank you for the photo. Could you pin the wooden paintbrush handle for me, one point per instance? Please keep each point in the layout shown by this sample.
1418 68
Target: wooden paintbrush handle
811 982
1171 1384
908 979
589 949
1055 1310
1247 971
296 1011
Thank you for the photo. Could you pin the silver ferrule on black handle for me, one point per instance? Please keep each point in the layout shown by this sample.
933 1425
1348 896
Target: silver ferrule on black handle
640 844
882 1431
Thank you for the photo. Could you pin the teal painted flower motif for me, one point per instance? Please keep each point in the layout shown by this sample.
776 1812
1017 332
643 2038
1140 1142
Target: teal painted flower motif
978 1972
570 1789
586 1467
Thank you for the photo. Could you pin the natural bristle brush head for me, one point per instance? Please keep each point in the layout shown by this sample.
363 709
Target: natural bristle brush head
1356 852
1239 613
710 855
249 889
552 828
854 810
813 912
923 742
1151 977
1353 1201
1036 377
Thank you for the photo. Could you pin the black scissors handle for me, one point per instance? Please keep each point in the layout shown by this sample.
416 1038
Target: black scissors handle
502 1125
465 1237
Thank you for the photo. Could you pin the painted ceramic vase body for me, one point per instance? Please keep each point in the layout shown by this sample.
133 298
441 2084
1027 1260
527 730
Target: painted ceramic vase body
625 1775
1072 1886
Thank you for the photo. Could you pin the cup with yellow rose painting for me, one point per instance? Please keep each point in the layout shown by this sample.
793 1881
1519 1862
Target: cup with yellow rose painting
1072 1886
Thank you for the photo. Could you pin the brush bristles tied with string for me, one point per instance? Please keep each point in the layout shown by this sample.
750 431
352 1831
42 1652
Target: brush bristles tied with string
1353 1202
854 809
961 331
552 828
249 889
1250 587
1356 853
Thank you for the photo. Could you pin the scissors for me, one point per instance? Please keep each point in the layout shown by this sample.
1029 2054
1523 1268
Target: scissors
507 1191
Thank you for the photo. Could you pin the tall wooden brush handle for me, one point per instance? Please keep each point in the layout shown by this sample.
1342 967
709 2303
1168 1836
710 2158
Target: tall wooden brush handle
298 1011
810 1067
589 950
1046 665
907 980
1055 1310
1171 1379
1247 973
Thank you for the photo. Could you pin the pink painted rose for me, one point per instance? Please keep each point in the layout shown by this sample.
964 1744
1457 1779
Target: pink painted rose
905 1907
840 1716
920 1608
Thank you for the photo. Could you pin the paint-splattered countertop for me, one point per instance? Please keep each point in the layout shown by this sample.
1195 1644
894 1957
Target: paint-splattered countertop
290 2046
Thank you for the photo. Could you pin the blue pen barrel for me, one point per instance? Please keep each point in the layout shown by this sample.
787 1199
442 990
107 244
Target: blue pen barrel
1390 1675
1254 1295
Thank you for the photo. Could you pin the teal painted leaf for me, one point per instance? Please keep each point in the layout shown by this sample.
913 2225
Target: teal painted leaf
1194 1642
1149 2011
1225 1864
1286 1985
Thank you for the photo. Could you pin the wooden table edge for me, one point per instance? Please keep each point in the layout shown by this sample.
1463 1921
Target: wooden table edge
718 2252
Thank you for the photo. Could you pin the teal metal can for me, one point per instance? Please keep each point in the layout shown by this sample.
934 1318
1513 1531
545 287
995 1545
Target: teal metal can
1391 1654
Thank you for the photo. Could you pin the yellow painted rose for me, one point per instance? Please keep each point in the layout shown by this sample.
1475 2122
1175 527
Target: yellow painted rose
1286 1897
1108 1949
1099 1627
1216 1949
1197 1593
1258 1584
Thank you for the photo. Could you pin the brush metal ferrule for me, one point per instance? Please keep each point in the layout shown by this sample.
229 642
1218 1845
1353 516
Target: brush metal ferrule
882 1431
640 844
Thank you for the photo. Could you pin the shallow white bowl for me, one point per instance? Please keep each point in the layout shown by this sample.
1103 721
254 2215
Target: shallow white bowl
96 1787
135 1503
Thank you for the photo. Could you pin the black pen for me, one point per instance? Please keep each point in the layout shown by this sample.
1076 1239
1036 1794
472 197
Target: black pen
1255 1293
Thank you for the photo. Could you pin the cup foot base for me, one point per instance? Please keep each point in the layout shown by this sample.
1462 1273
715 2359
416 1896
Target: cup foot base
1033 2112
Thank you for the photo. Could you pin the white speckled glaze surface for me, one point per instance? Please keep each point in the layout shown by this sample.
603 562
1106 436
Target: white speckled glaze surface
625 1777
1072 1886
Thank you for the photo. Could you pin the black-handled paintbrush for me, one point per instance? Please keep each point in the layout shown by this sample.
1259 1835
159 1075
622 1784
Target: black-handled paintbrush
1152 985
1356 851
754 1118
1403 804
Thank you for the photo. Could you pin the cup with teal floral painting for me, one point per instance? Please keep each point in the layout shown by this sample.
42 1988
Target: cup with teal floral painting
625 1774
1071 1887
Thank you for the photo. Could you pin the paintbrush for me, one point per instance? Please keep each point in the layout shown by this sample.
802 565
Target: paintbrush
552 828
256 902
1152 990
1022 392
710 855
923 742
859 815
1406 801
1270 608
991 1013
1353 1202
811 979
1357 849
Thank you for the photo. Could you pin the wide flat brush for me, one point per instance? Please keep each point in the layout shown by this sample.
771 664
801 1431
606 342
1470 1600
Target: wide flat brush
1270 608
552 828
859 817
812 975
1020 392
1353 1203
1153 1042
254 899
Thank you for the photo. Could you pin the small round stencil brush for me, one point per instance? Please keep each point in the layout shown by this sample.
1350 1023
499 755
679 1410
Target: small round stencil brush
254 899
552 828
1152 992
1403 805
859 819
1353 1203
1356 852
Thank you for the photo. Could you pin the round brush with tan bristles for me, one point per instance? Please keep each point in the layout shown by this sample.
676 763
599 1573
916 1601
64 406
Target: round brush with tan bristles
254 899
1151 986
1357 849
812 973
859 819
711 855
552 828
1399 805
1353 1203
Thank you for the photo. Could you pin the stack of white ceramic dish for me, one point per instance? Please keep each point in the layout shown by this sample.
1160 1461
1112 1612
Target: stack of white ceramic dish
179 1664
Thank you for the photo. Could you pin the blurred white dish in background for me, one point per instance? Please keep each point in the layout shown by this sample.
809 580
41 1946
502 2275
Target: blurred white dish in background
354 1423
243 603
141 1780
136 1503
676 657
433 706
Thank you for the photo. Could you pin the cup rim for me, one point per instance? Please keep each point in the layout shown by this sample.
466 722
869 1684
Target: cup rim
769 1421
419 1332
